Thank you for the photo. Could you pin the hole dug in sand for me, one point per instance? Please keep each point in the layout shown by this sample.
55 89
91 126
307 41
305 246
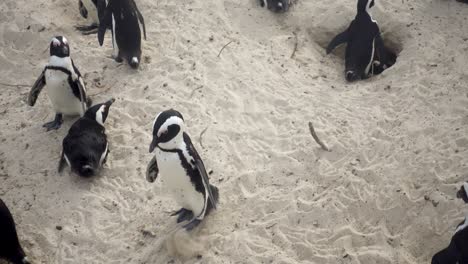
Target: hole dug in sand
391 39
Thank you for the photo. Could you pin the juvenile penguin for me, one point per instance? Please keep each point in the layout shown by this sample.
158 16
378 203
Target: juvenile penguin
278 6
181 169
65 86
91 10
365 50
85 147
123 17
10 248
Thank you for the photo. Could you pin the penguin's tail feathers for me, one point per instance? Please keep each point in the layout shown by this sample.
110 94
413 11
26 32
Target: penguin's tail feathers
87 171
215 192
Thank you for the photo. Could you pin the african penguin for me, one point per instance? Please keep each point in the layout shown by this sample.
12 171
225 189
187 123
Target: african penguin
91 10
365 50
276 5
65 87
10 248
181 169
85 147
457 251
123 17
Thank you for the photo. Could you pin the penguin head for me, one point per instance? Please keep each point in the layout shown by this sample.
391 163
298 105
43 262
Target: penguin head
168 130
59 47
279 6
99 112
365 5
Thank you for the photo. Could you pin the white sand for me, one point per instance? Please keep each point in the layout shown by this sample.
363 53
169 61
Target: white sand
395 139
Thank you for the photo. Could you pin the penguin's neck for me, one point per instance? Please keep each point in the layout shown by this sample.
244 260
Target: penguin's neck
60 62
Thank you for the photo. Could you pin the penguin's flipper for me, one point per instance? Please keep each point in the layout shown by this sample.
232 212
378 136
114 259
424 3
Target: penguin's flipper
152 170
36 89
201 169
140 18
62 163
380 48
101 9
106 22
341 38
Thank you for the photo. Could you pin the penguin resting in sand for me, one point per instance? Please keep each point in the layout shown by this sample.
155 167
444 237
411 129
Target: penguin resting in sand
181 169
91 10
123 18
65 87
365 51
85 147
10 248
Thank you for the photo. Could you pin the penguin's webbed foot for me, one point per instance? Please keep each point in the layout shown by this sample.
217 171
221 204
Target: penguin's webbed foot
118 59
54 125
194 223
183 215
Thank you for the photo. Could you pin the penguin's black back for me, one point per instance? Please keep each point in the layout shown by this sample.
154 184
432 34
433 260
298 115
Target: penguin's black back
84 145
359 49
456 252
10 247
127 28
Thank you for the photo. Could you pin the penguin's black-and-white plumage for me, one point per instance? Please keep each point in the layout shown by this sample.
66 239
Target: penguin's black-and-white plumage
10 247
85 147
457 251
365 51
65 86
123 18
279 6
92 10
181 169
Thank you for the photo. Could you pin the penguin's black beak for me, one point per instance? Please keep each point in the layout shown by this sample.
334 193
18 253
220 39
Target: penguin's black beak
153 144
110 102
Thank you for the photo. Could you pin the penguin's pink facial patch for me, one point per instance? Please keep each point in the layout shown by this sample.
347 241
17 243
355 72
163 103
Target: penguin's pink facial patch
56 42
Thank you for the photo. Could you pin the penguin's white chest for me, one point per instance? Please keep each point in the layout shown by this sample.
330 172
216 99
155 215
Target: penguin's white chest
177 182
61 95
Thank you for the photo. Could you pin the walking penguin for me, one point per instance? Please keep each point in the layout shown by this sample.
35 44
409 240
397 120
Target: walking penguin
181 169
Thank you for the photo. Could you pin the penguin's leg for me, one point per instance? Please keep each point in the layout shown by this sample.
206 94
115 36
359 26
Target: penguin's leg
183 215
194 223
54 124
118 58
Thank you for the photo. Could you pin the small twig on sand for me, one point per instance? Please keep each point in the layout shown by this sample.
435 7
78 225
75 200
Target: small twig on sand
194 90
295 45
14 85
314 135
219 54
201 135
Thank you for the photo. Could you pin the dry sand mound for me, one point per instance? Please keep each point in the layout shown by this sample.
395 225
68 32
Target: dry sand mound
385 194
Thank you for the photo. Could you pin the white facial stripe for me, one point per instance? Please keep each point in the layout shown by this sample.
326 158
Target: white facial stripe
65 41
56 42
135 60
103 155
170 121
99 113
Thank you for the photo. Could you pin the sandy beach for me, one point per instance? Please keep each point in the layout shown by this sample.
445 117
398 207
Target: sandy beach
385 193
